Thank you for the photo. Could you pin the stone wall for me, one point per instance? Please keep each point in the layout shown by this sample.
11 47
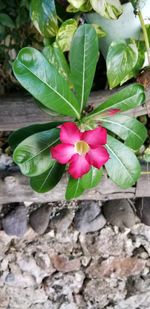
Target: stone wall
66 256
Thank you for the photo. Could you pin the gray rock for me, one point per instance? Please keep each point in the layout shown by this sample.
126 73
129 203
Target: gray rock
39 219
88 218
141 301
143 209
119 213
101 292
10 277
62 220
20 298
15 222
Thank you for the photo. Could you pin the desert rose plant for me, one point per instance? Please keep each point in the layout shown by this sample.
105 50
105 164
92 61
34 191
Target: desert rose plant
88 143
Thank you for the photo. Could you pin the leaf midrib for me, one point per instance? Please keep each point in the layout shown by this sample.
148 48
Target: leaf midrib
107 146
50 171
113 105
121 125
33 157
83 75
53 89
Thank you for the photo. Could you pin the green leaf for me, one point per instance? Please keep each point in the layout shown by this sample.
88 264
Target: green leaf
3 34
19 135
132 131
44 18
65 34
83 60
43 81
77 3
121 59
92 178
81 5
123 167
141 57
86 7
125 99
146 155
6 20
55 56
48 180
33 154
71 9
111 9
74 188
99 31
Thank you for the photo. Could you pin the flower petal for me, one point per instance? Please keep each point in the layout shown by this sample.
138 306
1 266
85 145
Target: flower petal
62 152
95 137
98 156
78 166
69 133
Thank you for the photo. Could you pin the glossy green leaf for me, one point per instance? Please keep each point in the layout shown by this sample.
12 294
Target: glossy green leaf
77 3
48 180
65 34
123 167
141 57
43 81
132 131
71 9
55 56
19 135
121 59
44 18
111 9
74 188
33 154
99 31
92 178
125 99
86 7
6 20
83 60
76 6
146 155
140 61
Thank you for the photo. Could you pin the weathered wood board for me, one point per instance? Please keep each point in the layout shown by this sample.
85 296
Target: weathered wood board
15 188
20 110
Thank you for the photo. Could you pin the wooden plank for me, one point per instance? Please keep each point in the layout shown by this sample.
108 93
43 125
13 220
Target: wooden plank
20 110
143 184
15 188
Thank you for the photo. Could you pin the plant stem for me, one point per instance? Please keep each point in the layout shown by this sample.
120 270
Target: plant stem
145 35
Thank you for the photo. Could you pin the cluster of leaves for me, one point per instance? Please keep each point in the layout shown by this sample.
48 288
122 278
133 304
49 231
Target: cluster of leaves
53 28
127 55
65 90
16 31
56 22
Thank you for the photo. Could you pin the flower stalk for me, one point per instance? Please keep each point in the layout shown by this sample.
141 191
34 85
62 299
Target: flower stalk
147 45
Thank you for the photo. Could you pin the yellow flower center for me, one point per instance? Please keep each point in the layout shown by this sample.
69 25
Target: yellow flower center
82 147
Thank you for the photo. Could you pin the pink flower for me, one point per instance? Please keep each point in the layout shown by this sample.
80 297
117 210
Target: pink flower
80 149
